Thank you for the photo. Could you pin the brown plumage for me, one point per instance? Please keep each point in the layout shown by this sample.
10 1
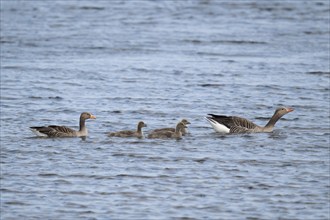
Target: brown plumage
184 130
128 133
233 124
169 134
63 131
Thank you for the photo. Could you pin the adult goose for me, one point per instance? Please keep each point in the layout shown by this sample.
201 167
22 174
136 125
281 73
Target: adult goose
184 130
233 124
169 134
128 133
63 131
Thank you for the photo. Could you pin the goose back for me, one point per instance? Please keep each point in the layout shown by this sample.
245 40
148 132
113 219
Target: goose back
234 124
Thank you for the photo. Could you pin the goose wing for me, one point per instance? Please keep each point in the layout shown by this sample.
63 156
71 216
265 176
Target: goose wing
234 123
161 134
53 131
164 130
125 133
62 129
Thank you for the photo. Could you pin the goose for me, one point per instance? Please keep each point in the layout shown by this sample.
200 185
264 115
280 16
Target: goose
233 124
184 130
169 134
127 133
63 131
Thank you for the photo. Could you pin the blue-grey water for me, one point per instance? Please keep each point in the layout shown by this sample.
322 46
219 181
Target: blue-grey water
161 61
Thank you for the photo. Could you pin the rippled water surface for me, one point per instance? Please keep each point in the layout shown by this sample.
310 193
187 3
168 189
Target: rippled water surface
159 62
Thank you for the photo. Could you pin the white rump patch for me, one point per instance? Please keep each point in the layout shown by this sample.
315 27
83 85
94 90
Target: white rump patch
217 126
38 133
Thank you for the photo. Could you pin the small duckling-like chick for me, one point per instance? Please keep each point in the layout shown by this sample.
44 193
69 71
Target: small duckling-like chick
184 130
63 131
169 134
129 133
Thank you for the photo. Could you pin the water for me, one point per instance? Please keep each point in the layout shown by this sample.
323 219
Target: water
159 62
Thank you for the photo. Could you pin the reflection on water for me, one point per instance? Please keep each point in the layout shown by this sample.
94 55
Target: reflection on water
132 61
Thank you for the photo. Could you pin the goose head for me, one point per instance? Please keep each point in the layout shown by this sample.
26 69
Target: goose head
279 112
86 115
141 124
185 121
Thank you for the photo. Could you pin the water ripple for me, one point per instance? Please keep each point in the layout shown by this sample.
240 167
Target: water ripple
137 60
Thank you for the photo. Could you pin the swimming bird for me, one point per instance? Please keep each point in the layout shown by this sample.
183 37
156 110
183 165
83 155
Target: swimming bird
128 133
63 131
184 130
169 134
234 124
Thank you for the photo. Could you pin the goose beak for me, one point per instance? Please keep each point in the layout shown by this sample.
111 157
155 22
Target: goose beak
290 109
93 117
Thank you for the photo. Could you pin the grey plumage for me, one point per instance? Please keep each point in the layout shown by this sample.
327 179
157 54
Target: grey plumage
236 124
63 131
129 133
169 134
184 130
